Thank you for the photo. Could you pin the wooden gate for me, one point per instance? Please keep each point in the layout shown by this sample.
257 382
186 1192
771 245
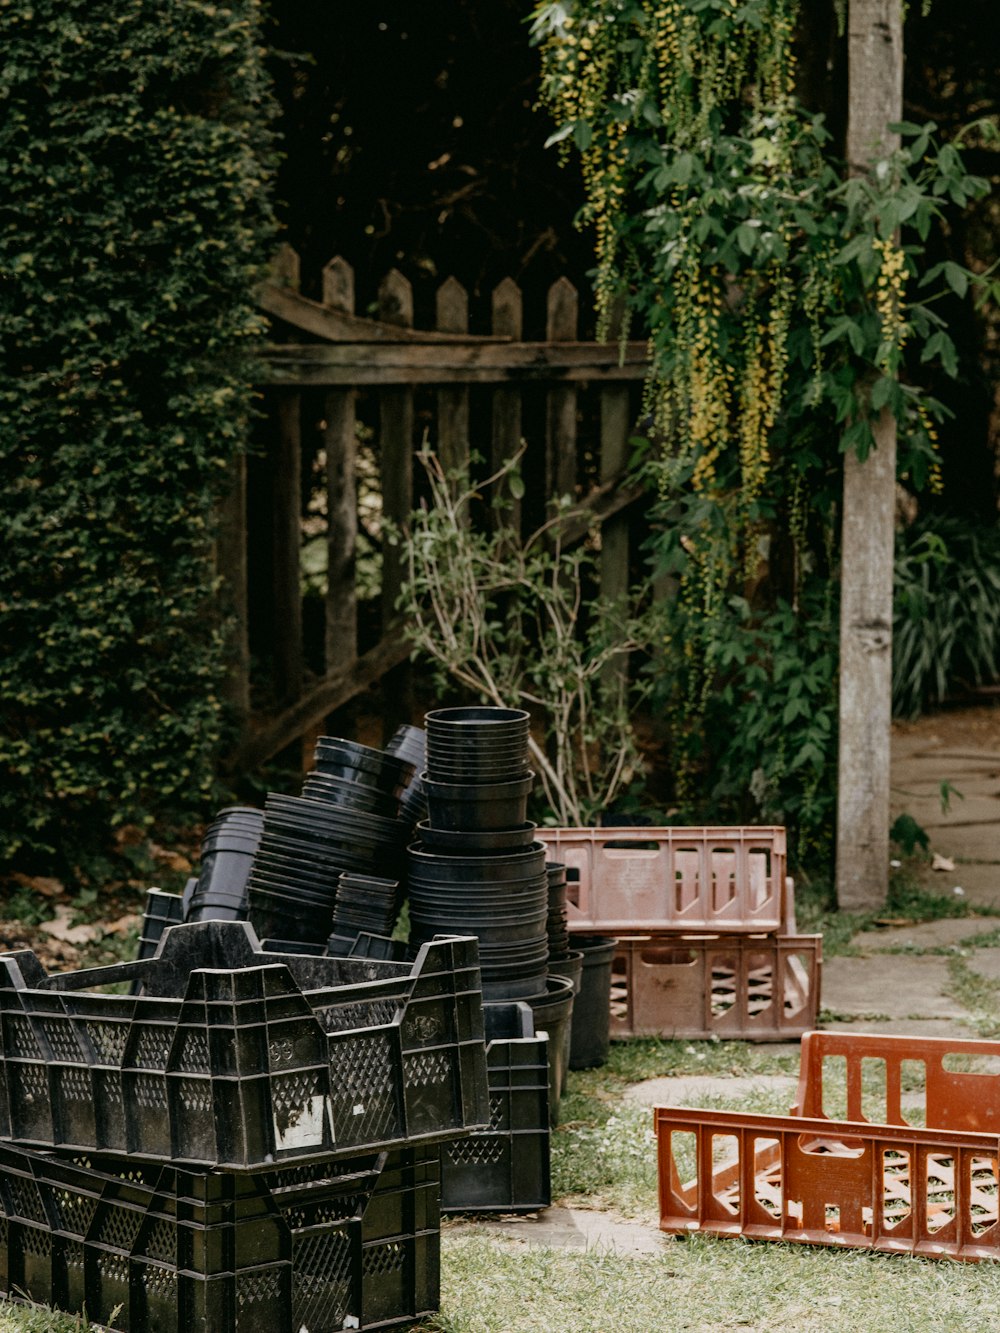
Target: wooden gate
324 350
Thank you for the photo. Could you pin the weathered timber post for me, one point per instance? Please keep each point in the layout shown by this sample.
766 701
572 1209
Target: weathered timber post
340 444
395 301
287 530
560 435
875 47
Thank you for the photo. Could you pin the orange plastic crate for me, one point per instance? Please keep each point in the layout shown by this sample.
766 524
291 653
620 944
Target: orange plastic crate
752 987
881 1184
633 880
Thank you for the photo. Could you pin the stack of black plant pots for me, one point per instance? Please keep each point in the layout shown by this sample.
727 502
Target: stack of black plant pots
346 820
227 855
477 867
479 870
364 903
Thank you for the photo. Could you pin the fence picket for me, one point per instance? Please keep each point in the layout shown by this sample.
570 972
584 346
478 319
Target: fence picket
286 474
452 310
395 300
340 444
508 320
560 435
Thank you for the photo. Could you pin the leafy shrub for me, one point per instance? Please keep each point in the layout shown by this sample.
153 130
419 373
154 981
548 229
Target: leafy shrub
946 610
134 160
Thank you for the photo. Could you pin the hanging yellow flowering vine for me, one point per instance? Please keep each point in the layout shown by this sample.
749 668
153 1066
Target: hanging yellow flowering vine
779 297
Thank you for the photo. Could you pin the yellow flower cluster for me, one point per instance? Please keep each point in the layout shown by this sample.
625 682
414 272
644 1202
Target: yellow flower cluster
890 292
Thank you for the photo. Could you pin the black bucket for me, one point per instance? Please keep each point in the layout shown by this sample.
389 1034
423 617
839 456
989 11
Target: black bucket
591 1036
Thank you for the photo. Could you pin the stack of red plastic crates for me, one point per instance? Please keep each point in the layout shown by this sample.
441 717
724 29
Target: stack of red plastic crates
705 922
249 1142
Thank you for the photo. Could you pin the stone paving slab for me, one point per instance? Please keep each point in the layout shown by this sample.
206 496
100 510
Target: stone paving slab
569 1229
693 1090
975 843
906 1027
895 986
986 962
943 934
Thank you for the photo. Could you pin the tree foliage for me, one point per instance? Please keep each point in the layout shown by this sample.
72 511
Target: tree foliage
787 303
134 161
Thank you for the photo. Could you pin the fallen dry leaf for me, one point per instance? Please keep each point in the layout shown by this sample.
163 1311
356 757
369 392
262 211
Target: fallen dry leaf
61 929
43 884
942 862
170 859
124 924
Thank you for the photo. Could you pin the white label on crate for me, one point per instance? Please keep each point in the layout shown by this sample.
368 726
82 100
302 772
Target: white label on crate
301 1126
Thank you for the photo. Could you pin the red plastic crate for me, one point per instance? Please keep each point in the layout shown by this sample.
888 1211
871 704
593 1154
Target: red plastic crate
633 880
757 988
883 1185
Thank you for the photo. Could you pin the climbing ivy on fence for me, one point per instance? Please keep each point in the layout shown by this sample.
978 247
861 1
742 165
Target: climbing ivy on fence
135 152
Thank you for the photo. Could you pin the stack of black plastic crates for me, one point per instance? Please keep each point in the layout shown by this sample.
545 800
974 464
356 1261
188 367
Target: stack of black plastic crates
250 1141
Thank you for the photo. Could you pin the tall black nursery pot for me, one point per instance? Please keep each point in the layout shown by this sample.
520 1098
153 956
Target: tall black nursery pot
591 1034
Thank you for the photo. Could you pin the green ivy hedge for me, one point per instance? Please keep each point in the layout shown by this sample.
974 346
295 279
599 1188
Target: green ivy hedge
135 156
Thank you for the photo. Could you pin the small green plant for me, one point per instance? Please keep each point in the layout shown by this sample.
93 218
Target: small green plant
946 610
513 623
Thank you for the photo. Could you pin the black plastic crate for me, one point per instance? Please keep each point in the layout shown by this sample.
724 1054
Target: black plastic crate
152 1249
162 909
237 1059
505 1168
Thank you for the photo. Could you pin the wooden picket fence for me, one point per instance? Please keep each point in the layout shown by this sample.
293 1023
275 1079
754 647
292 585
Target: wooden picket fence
324 369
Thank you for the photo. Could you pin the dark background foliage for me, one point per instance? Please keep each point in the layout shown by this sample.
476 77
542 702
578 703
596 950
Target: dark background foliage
133 215
134 140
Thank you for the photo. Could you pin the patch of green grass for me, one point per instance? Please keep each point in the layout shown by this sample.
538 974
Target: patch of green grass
979 994
702 1285
908 900
604 1150
31 1319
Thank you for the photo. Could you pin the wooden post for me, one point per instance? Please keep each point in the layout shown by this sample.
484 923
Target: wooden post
287 496
615 424
395 306
508 320
231 563
287 525
340 444
560 434
875 48
452 308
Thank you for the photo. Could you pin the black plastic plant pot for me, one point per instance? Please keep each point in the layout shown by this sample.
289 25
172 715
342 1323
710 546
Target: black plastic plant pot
488 897
441 867
349 796
591 1037
506 931
570 965
225 869
464 912
476 716
325 818
359 763
518 988
461 842
477 775
554 1014
218 911
271 921
408 743
487 807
